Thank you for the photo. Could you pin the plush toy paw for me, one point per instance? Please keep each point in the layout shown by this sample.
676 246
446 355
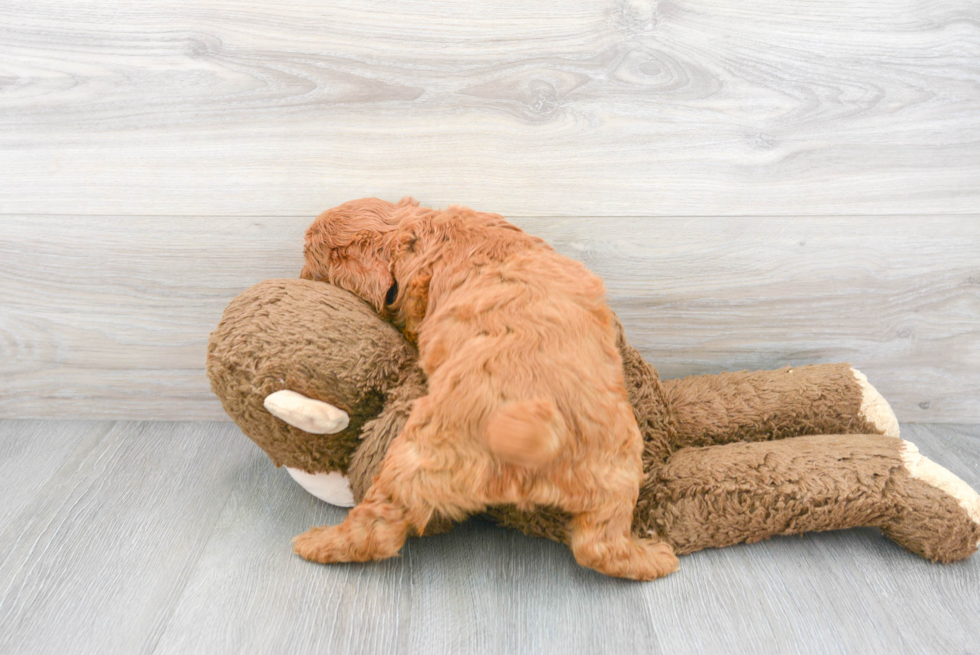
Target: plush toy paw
874 408
938 514
307 414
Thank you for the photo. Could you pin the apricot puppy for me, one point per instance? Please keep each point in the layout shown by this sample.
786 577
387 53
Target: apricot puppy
526 402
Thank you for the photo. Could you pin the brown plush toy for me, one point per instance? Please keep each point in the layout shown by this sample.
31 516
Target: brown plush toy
313 376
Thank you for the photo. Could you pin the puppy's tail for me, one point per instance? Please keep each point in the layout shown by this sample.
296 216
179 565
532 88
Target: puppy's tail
526 433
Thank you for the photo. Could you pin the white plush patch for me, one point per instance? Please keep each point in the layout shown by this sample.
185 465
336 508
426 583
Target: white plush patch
307 414
923 468
874 408
332 487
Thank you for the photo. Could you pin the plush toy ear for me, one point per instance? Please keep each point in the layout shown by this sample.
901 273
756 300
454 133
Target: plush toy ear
307 414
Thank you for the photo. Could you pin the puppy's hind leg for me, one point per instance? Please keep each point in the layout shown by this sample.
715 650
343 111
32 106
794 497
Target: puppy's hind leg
601 540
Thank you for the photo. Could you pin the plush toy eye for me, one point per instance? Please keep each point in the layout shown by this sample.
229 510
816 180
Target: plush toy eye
392 292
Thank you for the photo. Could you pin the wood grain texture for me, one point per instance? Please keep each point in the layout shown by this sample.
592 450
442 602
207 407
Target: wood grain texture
108 317
615 107
173 538
32 452
98 557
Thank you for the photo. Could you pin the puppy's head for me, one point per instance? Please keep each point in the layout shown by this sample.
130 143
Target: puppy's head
352 246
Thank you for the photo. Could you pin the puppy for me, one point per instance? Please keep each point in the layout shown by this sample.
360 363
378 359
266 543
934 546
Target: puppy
526 402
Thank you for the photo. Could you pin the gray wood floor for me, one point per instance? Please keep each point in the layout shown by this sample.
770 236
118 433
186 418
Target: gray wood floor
126 537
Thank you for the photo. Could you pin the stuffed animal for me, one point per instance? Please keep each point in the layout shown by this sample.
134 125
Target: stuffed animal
322 384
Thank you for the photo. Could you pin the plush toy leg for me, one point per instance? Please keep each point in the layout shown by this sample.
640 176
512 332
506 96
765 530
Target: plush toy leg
746 492
922 513
764 405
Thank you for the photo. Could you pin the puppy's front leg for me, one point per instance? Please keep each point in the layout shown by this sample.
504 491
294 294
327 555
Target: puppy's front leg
374 529
411 483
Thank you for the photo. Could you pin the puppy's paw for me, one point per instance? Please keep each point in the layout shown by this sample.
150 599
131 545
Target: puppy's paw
319 545
657 559
307 414
627 557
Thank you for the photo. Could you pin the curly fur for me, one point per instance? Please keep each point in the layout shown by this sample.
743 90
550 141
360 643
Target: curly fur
526 403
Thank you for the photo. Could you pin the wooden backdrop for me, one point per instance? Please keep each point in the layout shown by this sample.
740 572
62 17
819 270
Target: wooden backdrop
761 183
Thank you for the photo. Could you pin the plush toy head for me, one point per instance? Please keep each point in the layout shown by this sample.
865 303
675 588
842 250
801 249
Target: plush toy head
283 335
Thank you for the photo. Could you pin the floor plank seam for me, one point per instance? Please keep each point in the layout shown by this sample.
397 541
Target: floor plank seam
187 575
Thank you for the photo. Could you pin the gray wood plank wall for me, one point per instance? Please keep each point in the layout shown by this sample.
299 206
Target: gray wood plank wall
638 107
109 316
761 184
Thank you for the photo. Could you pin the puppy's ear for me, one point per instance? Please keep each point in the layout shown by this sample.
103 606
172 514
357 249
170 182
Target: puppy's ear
352 246
414 304
364 266
414 267
317 251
